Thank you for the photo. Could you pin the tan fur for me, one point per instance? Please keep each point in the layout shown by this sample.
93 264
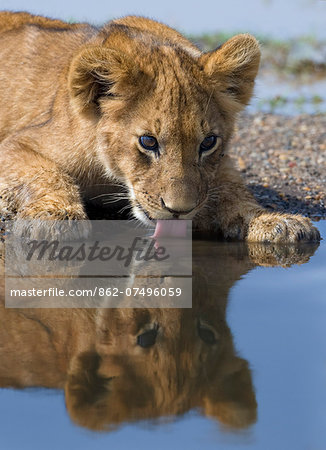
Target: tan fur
108 379
76 99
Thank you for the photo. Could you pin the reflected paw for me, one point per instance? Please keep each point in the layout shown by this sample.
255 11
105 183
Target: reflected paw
271 254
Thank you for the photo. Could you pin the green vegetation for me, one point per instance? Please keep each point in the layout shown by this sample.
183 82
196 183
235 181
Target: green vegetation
317 100
301 56
298 104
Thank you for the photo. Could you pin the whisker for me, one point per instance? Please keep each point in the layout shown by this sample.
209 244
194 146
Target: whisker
112 183
117 194
124 208
136 221
114 201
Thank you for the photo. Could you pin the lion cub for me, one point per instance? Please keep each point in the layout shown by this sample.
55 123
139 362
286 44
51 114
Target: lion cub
134 106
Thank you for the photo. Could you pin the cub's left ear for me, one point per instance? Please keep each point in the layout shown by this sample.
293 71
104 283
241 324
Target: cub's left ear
233 68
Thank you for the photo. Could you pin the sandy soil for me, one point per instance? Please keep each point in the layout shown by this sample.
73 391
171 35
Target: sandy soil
283 161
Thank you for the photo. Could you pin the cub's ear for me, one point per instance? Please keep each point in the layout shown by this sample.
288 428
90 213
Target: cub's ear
231 399
233 68
86 391
98 72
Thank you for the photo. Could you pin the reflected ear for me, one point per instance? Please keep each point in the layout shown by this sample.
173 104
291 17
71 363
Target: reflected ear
86 391
232 399
233 68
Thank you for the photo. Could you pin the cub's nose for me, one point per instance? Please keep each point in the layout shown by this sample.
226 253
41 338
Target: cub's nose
182 195
178 207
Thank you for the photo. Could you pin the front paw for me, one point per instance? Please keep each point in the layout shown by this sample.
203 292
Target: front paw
68 223
282 228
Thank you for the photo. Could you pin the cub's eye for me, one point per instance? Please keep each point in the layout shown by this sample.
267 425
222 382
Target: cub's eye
149 143
206 334
147 339
209 143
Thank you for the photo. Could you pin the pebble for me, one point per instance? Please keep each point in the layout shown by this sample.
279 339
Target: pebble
241 163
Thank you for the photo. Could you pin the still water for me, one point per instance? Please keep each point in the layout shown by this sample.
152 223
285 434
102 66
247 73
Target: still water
244 368
275 18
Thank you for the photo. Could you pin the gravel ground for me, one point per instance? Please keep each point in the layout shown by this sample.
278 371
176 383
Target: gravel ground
283 161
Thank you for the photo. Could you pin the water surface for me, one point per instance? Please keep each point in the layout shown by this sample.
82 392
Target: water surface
274 18
255 378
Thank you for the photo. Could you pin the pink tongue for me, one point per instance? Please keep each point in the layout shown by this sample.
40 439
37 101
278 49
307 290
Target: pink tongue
171 228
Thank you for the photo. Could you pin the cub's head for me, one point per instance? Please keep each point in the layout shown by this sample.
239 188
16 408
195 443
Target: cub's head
164 111
154 363
151 363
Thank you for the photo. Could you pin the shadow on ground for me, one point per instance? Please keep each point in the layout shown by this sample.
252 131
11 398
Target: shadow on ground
274 201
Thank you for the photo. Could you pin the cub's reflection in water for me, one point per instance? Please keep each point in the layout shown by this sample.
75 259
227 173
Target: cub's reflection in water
122 365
